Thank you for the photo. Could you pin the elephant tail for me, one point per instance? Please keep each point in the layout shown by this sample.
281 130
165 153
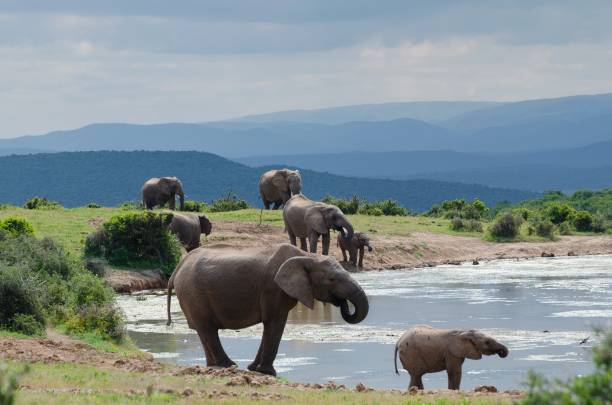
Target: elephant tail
170 285
395 360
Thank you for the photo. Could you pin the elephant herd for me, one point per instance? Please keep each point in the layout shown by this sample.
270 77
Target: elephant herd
224 287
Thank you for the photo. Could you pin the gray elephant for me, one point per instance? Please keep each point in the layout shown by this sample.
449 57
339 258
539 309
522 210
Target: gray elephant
277 186
357 243
424 349
305 218
221 287
189 227
162 190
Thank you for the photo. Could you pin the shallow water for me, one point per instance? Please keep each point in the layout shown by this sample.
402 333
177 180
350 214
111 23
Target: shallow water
540 308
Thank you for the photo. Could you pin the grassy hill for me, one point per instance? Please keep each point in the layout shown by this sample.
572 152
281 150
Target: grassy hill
109 178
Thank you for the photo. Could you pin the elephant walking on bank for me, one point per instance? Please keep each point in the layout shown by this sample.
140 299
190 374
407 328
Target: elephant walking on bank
189 227
305 218
424 349
277 186
357 243
162 190
227 288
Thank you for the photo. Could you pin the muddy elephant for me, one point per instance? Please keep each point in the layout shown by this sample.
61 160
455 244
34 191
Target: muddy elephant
162 190
221 287
277 186
307 219
357 243
424 349
189 227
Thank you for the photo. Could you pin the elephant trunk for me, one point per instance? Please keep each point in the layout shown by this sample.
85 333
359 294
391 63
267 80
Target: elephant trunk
182 200
345 228
502 351
360 301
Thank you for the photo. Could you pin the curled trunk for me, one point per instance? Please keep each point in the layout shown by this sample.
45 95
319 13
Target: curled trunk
360 301
346 228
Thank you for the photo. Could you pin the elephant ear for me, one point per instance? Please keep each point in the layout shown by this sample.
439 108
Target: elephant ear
292 277
464 346
280 181
205 225
166 185
315 219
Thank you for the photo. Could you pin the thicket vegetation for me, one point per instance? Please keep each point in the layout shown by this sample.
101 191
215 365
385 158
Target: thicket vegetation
595 388
356 205
40 285
136 239
41 203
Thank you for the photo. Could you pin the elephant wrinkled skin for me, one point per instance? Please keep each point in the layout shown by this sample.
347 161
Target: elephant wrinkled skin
277 186
189 227
357 243
220 287
307 219
424 349
162 190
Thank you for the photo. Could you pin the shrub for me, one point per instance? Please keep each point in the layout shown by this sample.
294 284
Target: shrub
139 238
507 226
103 320
131 205
559 213
383 207
41 203
194 206
565 228
544 228
583 220
459 208
93 205
21 309
467 225
16 226
599 224
228 203
43 257
9 384
348 206
89 289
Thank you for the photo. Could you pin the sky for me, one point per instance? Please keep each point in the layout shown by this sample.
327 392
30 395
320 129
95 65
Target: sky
69 63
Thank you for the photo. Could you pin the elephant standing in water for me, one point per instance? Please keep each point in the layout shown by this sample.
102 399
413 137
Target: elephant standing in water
227 288
424 349
357 243
189 227
305 218
277 186
160 190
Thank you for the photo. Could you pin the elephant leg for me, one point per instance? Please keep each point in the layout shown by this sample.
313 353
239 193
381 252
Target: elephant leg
360 263
272 334
353 255
172 203
276 205
343 254
313 239
453 369
214 344
257 360
416 381
292 238
325 240
210 359
266 204
303 244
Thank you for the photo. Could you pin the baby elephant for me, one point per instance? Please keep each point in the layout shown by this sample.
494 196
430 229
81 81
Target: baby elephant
188 228
424 349
357 243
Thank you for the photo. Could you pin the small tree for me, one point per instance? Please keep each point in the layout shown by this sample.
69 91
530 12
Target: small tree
583 221
507 226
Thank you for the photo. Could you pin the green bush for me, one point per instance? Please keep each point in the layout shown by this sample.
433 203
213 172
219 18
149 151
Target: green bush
9 384
459 208
595 388
507 226
583 221
105 321
559 213
356 205
21 307
43 257
136 239
348 206
93 205
194 206
544 228
465 225
16 226
599 224
41 203
131 205
228 203
564 228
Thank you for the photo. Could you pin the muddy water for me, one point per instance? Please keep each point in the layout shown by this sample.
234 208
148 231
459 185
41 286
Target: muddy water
540 308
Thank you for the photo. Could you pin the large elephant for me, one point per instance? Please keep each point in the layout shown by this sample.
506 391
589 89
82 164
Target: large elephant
357 243
221 287
160 190
189 227
305 218
277 186
424 349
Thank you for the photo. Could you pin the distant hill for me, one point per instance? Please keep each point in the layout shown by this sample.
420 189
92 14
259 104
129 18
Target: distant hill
429 111
19 151
110 178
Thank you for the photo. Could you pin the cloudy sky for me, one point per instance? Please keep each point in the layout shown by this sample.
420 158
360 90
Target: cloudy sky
67 63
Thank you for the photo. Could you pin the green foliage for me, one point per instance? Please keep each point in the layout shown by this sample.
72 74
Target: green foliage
595 388
194 206
41 203
93 205
348 206
106 320
600 225
21 307
544 228
559 212
564 228
131 205
459 208
228 203
356 205
136 239
583 221
465 225
9 384
16 226
506 226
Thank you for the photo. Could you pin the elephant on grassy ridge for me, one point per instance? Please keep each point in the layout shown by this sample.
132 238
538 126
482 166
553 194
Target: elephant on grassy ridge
162 190
189 227
277 186
357 243
305 218
222 287
424 349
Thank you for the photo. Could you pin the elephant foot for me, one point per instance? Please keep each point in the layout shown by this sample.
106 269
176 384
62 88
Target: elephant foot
226 363
269 370
252 367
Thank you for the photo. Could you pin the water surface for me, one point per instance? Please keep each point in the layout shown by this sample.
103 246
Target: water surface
540 308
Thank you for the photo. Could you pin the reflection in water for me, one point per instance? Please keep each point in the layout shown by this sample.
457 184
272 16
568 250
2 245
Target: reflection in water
541 309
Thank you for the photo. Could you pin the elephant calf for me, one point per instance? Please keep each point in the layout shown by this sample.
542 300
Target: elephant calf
424 349
358 242
188 229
